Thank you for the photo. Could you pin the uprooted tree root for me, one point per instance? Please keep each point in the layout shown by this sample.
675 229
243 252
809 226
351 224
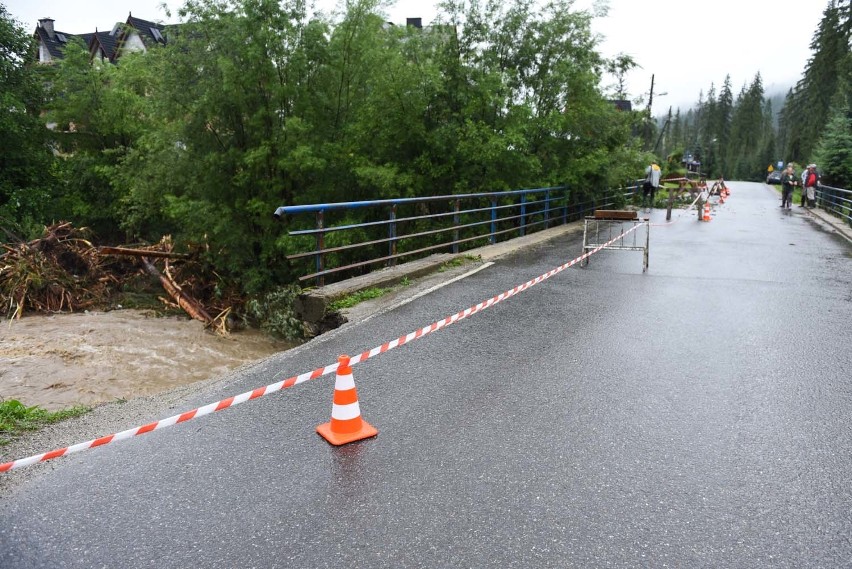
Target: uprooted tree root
63 271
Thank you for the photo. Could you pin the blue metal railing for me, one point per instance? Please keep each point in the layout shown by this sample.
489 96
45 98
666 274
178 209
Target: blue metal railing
836 201
412 227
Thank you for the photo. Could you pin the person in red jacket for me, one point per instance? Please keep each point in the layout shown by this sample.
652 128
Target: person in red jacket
811 181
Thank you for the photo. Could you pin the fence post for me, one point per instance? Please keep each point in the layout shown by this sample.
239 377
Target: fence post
493 237
320 247
547 209
670 204
392 236
523 214
565 207
456 209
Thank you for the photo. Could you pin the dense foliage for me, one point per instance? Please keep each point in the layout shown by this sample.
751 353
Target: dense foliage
256 103
25 156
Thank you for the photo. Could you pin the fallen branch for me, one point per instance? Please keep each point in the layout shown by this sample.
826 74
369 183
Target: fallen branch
140 253
187 304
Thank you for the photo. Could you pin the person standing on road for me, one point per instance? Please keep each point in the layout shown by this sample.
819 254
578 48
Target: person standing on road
810 181
788 182
649 187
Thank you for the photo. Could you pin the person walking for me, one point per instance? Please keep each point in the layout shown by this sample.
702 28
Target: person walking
810 183
788 182
649 187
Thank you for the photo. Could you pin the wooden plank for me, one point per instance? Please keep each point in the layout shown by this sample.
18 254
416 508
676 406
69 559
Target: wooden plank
616 214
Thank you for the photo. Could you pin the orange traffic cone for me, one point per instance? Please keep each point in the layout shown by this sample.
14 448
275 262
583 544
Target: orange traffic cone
346 425
706 211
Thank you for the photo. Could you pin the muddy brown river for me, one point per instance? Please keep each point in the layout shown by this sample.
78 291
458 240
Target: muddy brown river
94 357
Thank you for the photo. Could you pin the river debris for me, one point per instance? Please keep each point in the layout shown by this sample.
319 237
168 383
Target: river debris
63 271
60 271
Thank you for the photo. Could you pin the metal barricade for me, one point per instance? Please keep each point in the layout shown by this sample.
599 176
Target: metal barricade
598 230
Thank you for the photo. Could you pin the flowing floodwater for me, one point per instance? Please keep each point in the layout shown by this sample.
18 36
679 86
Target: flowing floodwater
93 357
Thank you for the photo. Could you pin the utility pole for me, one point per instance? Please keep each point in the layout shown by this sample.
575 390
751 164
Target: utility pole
651 96
648 131
663 131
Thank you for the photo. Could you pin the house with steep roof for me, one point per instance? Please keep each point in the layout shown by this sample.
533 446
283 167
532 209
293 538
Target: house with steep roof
140 35
102 46
132 35
51 43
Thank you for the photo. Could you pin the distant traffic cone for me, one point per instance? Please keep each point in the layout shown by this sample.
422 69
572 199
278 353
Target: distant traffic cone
346 425
706 211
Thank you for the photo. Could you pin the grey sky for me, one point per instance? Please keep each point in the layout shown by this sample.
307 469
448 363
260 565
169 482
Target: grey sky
686 45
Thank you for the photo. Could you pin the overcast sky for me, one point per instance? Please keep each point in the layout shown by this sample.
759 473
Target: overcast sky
685 45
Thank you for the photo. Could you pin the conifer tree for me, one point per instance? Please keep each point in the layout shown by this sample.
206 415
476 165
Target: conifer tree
806 111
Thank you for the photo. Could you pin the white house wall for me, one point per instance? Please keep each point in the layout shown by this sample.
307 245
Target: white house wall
43 53
133 43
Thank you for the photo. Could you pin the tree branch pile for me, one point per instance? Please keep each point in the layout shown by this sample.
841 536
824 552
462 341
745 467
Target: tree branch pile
63 271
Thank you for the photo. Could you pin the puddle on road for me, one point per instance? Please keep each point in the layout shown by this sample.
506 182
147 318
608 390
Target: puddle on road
94 357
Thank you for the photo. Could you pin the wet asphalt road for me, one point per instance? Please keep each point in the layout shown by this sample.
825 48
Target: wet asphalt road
694 416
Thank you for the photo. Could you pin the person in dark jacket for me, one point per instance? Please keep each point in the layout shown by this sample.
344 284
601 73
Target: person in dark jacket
810 183
788 182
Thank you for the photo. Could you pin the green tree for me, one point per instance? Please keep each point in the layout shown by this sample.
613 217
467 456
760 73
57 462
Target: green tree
721 127
747 132
26 174
834 152
807 107
98 110
254 104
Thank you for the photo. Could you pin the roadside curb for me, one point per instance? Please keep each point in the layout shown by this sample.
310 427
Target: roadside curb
835 223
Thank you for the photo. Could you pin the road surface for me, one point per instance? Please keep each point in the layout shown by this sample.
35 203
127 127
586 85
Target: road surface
697 415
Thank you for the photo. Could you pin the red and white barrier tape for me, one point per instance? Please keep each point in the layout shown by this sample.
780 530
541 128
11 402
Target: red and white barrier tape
297 379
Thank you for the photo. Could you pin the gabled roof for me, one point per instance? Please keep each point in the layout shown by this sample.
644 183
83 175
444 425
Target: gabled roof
103 44
54 41
151 32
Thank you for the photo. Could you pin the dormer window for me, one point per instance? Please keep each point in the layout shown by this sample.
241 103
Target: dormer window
61 37
157 35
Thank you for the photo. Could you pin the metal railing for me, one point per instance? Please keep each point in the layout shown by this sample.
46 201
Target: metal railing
342 245
836 201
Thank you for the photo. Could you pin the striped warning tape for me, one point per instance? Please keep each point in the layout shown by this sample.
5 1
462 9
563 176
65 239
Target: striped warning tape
297 379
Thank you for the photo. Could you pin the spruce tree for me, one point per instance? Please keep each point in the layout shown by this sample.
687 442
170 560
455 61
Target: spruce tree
806 111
